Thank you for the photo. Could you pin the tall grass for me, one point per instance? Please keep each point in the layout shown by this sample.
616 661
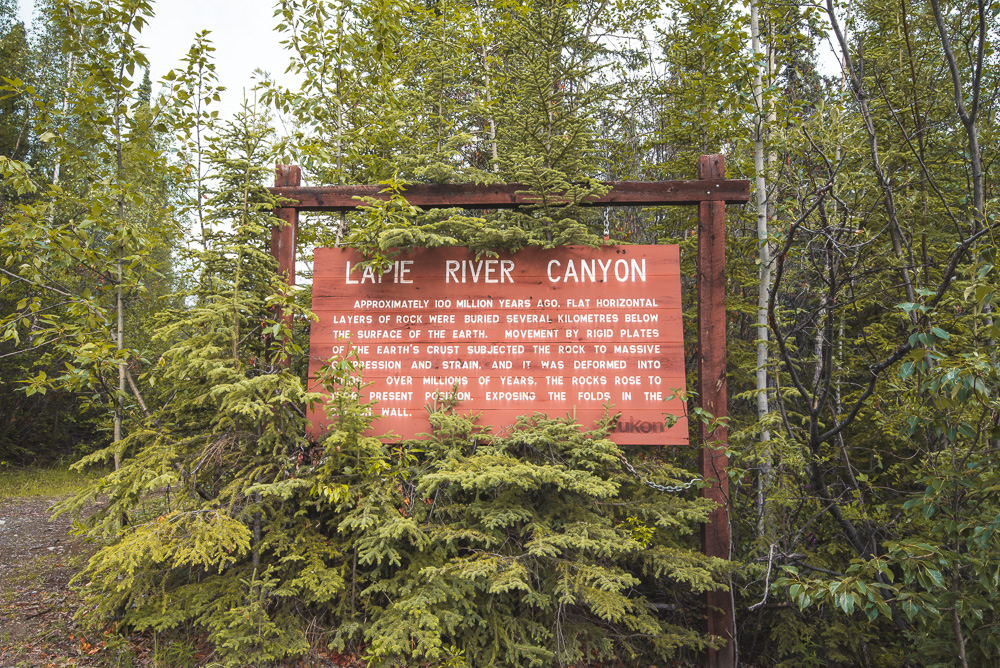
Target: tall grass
43 481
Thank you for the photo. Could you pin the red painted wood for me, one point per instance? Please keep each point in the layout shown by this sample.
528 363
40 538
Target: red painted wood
712 390
710 193
529 341
283 237
512 195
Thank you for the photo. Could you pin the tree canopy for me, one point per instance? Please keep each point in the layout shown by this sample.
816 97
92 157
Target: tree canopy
139 329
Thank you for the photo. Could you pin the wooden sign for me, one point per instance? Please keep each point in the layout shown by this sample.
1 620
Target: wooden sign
565 331
709 193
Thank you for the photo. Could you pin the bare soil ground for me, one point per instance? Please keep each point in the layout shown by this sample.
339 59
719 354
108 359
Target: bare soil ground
38 557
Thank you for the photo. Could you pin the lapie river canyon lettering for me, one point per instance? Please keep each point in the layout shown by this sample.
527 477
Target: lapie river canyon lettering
573 331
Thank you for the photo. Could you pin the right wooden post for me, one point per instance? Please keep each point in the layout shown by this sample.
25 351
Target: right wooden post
711 282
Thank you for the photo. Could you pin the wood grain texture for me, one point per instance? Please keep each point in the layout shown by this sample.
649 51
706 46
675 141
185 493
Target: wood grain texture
283 237
513 195
712 391
710 193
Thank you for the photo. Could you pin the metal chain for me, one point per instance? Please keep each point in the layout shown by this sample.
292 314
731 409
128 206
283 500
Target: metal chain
653 485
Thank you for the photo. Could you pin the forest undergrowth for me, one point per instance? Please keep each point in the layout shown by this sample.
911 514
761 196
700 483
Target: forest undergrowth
145 329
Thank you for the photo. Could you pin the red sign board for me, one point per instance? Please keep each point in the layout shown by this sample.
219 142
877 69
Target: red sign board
564 331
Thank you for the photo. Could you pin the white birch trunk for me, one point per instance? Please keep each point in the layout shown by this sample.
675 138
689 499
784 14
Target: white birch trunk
764 480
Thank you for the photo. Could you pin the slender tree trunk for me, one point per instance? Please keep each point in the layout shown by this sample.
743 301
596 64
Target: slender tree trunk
969 114
342 226
960 638
766 474
861 97
489 93
119 265
255 552
199 183
489 104
120 344
65 108
239 267
704 107
119 288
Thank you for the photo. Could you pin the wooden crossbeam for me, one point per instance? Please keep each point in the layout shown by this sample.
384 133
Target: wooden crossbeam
711 193
513 195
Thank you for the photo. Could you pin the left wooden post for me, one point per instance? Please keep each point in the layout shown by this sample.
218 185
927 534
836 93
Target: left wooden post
283 236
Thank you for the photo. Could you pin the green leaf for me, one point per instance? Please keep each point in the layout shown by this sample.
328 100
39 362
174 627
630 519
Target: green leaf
940 333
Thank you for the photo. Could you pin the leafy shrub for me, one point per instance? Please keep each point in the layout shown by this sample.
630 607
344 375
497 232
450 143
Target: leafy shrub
530 548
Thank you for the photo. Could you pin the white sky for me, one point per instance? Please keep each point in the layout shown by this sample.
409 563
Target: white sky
241 31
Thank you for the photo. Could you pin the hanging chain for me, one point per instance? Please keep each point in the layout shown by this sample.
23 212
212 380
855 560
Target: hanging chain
653 485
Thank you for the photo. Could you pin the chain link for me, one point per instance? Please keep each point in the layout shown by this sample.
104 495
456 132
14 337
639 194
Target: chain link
653 485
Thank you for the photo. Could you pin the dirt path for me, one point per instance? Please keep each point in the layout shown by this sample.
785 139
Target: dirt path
38 558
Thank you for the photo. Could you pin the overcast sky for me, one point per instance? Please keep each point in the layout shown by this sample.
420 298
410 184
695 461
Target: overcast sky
244 38
241 31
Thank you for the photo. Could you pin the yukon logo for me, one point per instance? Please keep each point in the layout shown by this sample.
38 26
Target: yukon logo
633 426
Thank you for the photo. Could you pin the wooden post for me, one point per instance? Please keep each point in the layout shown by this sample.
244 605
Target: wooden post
283 236
712 390
711 192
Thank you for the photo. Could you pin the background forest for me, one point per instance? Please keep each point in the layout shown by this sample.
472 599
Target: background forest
137 329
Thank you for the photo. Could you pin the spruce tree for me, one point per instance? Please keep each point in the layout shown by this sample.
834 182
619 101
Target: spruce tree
529 548
214 554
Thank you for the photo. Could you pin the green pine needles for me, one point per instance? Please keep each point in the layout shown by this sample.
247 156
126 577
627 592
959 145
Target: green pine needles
531 548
